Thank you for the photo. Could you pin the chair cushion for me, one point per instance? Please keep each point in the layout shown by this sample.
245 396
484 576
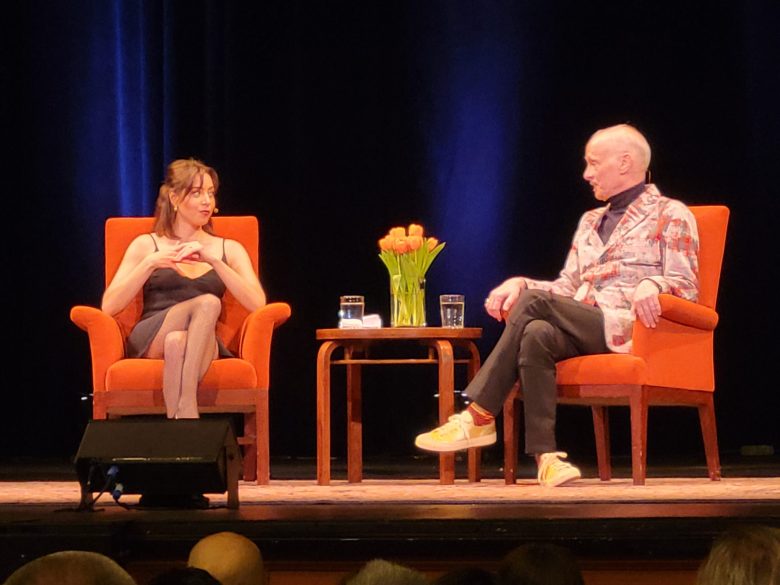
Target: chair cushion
146 374
607 368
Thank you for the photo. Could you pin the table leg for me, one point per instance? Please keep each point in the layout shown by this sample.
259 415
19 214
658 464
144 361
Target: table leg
354 422
474 361
474 455
446 404
323 411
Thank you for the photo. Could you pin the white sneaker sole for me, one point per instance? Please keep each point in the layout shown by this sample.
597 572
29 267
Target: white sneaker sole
423 442
562 480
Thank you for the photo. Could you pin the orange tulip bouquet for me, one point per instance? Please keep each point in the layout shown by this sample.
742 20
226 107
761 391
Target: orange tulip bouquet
408 254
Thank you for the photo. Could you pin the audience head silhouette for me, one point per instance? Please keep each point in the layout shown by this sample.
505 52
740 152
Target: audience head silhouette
184 576
71 567
231 558
467 576
745 555
539 564
381 572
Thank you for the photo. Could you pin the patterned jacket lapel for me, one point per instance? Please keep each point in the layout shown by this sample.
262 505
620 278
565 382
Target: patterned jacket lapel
592 233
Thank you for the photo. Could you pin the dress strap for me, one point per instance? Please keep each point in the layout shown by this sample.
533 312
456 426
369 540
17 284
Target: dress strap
156 249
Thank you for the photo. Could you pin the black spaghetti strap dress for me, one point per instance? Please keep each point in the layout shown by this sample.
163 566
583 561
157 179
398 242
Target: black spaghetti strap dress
164 289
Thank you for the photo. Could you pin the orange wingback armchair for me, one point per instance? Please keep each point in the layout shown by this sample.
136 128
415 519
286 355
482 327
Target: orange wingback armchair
671 365
233 385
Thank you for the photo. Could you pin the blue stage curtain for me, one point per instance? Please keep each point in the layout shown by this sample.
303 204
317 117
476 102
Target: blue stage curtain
471 70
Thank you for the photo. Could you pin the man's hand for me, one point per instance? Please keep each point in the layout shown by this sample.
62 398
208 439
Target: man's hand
500 300
646 306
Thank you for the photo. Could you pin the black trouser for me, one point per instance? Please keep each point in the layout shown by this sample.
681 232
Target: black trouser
541 329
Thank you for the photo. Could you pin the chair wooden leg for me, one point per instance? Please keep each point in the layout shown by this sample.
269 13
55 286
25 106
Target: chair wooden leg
263 439
601 430
233 464
710 435
250 448
99 411
638 407
475 464
511 437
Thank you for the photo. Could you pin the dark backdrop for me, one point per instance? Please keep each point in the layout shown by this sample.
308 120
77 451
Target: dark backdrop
334 121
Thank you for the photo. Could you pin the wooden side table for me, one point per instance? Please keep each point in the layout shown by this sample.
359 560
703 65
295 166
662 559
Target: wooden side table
441 343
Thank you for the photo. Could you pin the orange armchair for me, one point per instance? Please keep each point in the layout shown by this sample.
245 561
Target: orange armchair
671 365
234 385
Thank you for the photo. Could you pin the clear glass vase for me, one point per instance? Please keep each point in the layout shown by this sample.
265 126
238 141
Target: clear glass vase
407 302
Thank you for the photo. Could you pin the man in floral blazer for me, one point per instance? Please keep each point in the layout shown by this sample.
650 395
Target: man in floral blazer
622 257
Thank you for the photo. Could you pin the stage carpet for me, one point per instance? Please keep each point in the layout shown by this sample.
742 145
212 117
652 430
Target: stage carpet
657 533
409 492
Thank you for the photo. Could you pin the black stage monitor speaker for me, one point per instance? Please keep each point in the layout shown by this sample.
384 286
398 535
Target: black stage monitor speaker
159 458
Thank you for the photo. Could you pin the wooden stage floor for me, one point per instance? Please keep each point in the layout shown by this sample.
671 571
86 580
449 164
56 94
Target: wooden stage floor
316 533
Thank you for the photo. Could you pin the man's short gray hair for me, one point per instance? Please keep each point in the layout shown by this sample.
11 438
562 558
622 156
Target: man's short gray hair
631 139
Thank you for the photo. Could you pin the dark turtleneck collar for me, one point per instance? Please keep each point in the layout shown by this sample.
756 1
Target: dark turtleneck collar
617 205
623 199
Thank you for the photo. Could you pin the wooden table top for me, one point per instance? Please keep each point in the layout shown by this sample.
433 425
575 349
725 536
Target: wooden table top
444 333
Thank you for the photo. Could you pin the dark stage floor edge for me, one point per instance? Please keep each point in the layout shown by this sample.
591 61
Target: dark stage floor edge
330 539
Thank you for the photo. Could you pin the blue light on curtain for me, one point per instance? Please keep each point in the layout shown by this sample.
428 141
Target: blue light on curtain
131 109
472 58
116 162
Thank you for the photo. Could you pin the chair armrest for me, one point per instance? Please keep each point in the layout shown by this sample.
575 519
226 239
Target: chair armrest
105 341
256 334
688 313
678 351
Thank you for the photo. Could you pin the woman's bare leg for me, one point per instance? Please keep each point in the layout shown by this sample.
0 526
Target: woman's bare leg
187 343
201 341
173 353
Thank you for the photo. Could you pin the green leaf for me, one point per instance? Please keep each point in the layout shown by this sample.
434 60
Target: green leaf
431 256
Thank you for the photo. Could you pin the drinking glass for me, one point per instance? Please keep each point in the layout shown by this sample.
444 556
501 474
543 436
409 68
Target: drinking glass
452 308
351 310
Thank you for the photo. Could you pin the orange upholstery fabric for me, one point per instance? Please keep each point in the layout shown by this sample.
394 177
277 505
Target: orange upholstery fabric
134 386
142 374
670 365
602 369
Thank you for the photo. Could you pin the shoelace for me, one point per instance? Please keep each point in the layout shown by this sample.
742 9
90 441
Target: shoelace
455 422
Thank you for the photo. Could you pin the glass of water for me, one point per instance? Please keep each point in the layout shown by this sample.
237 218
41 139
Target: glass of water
452 309
351 310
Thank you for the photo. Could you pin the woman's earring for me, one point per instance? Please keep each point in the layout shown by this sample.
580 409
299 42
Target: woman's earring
175 208
216 210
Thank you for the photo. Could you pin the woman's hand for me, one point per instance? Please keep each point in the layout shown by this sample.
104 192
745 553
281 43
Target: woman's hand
167 257
193 252
140 260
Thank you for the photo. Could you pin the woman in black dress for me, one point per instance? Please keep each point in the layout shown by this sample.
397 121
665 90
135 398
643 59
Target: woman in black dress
184 269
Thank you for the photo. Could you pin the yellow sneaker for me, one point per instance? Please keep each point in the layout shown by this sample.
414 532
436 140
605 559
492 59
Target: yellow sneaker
459 432
554 472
